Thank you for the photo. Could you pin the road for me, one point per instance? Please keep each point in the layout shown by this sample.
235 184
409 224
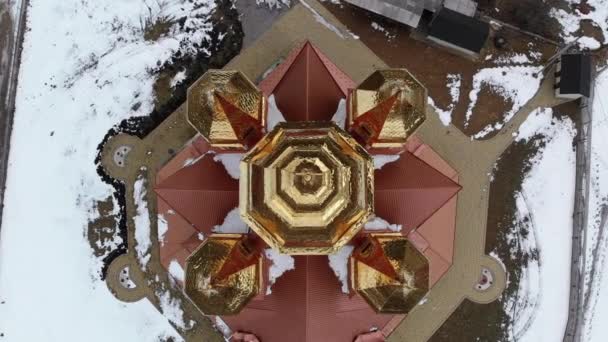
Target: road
577 301
11 37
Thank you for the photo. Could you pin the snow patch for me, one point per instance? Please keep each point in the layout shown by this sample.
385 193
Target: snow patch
222 327
178 78
171 308
176 270
378 223
339 263
571 21
588 43
340 116
274 114
517 84
231 162
163 227
382 159
233 224
380 28
538 122
281 263
454 82
546 200
142 222
445 116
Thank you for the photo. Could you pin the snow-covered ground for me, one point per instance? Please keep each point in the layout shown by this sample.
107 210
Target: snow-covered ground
85 65
596 309
571 21
516 84
453 83
545 205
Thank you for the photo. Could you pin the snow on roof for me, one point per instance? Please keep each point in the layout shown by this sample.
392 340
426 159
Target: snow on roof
281 263
274 114
231 162
233 224
378 223
339 263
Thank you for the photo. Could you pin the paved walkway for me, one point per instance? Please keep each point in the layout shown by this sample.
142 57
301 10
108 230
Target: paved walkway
472 159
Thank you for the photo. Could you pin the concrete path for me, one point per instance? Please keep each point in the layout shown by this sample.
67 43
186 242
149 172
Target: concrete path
472 159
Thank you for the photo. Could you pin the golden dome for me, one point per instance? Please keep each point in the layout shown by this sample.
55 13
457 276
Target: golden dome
386 108
306 188
222 275
389 273
227 109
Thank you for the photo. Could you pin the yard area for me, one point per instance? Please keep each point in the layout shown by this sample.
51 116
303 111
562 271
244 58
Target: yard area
476 96
529 224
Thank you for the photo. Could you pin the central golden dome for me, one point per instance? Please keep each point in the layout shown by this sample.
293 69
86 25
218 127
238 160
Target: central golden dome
306 188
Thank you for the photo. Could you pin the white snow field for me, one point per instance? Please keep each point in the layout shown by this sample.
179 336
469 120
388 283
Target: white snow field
543 226
540 311
85 64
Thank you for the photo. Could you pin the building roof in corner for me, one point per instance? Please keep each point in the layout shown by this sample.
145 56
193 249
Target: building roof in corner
460 30
575 74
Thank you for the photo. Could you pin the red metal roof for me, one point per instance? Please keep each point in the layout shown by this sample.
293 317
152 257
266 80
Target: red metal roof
408 191
307 86
307 305
202 193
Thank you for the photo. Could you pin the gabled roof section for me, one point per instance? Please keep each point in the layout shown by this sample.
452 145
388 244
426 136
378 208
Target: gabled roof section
202 193
307 86
307 305
408 191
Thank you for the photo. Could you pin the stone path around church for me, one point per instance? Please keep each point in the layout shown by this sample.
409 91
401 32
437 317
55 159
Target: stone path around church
473 160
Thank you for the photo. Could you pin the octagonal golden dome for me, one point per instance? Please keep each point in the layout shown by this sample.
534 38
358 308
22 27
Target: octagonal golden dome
227 109
386 108
306 188
222 275
389 273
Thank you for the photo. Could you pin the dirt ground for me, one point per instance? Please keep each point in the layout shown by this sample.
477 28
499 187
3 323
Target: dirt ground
533 15
464 323
432 65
